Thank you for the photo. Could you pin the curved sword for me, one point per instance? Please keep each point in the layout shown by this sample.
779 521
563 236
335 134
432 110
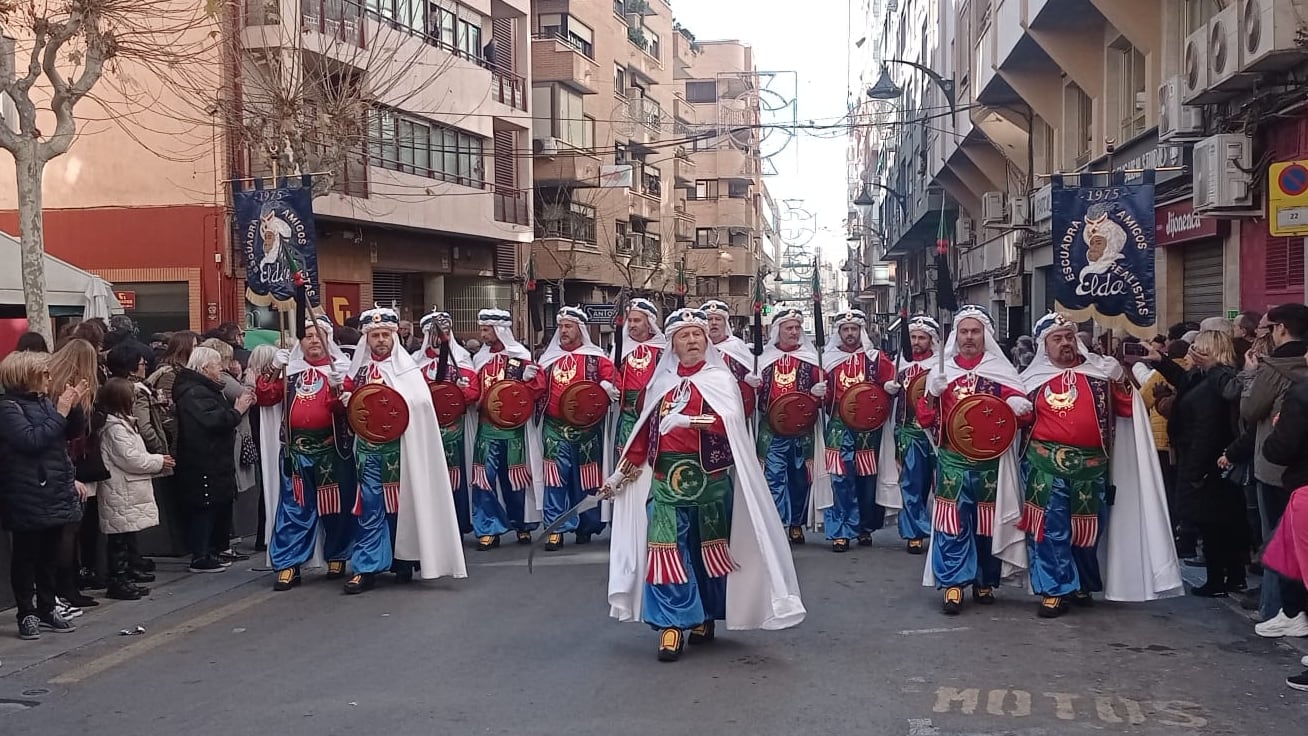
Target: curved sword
588 502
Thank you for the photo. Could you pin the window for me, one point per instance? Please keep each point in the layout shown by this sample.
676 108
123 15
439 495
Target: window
620 153
619 7
1129 66
702 91
653 251
470 39
706 142
558 113
707 286
737 189
652 48
619 80
622 237
1078 127
704 237
706 189
569 30
652 181
564 219
410 144
738 237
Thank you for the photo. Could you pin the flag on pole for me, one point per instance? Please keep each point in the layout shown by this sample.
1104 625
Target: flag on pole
945 296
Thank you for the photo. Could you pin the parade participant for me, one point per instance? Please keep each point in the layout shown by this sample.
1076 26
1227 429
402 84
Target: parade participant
643 344
917 455
692 543
734 351
789 437
405 508
307 454
452 393
977 470
572 410
1078 398
854 432
500 466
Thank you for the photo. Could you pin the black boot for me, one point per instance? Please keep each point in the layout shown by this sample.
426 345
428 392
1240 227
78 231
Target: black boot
360 583
122 590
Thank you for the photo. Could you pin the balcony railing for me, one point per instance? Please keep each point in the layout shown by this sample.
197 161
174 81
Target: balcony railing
509 89
512 206
574 227
341 20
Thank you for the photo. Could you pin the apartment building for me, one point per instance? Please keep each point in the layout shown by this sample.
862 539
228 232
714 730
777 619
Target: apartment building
430 205
635 187
1046 86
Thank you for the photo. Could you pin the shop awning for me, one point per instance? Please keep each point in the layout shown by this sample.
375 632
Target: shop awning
66 286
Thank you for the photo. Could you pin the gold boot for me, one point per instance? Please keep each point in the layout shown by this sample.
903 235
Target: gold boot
670 645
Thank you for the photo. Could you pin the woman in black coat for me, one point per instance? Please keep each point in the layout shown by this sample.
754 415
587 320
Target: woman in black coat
1201 426
39 499
206 459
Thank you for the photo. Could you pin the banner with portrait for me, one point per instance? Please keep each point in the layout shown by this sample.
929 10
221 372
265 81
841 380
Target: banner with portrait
1103 240
275 230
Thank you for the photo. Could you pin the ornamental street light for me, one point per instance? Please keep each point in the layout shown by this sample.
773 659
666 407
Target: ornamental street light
886 89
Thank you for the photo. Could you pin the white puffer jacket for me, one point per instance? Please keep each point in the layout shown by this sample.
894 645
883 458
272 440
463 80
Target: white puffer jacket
127 498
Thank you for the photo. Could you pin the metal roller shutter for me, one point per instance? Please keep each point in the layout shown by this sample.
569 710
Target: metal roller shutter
1202 282
387 289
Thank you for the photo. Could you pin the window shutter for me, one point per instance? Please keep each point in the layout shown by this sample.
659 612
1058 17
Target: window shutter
506 261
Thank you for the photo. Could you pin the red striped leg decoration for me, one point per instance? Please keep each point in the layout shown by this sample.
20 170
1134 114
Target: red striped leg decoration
519 477
358 503
866 462
1033 521
717 558
944 516
329 499
835 465
1085 530
479 477
552 477
664 565
392 493
456 475
985 519
297 490
590 477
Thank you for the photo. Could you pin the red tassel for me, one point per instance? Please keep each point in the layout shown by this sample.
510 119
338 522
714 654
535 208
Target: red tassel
664 565
456 474
835 465
1085 530
985 519
479 476
866 460
717 559
392 493
944 516
297 490
519 477
1033 521
329 499
552 477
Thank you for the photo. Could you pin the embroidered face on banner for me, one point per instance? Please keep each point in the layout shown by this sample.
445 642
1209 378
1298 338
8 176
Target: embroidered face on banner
276 232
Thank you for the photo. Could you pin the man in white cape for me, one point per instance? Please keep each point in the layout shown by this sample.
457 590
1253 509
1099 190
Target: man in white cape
405 508
437 337
736 354
306 457
571 463
917 455
800 487
975 540
693 543
860 463
1091 434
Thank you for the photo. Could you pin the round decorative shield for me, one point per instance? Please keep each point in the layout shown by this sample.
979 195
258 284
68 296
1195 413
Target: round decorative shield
916 390
449 401
864 407
584 403
981 427
508 404
793 414
378 413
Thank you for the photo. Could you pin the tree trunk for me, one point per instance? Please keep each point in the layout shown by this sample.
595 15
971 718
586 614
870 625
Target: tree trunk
31 232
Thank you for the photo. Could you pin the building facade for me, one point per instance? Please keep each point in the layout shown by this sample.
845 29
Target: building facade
1049 86
429 206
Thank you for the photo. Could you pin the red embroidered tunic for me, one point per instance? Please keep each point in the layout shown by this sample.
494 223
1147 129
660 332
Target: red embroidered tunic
314 403
563 373
635 373
686 439
1065 411
931 408
494 372
852 372
789 365
748 396
431 363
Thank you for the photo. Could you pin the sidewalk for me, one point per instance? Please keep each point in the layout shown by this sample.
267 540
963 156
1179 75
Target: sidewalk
1194 576
174 590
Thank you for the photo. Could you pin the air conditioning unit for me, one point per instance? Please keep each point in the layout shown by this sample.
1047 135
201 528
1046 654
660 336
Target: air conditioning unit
992 208
963 229
1018 209
547 147
1224 48
1177 122
1269 31
1194 69
1222 179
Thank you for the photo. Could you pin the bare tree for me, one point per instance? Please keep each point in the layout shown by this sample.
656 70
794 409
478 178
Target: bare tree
67 48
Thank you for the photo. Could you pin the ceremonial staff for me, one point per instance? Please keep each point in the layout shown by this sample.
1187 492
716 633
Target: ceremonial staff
819 329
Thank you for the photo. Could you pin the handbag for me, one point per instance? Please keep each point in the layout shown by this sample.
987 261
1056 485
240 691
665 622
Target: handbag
249 453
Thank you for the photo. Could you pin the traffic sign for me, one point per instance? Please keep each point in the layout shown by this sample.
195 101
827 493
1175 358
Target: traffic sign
1287 198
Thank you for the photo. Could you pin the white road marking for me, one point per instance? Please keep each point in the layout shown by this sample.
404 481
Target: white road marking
918 632
600 557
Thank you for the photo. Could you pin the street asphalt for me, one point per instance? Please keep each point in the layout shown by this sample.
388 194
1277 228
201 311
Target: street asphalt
505 652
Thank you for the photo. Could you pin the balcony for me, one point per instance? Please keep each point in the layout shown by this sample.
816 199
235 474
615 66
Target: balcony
683 171
734 162
683 54
577 227
722 261
508 88
684 227
682 110
994 256
556 59
723 212
337 20
512 206
570 166
646 206
562 258
643 64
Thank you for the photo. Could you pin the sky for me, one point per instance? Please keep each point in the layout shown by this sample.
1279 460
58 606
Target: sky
809 39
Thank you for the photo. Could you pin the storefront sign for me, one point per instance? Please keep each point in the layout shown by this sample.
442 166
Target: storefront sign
341 300
127 299
599 312
1177 223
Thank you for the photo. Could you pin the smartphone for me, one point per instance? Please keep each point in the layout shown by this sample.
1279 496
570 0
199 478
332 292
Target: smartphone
1136 349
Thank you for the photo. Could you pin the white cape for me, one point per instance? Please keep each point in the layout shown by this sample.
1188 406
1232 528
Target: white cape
764 592
820 497
427 530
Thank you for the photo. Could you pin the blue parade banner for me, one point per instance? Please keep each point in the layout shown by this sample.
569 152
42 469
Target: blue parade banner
1104 251
276 234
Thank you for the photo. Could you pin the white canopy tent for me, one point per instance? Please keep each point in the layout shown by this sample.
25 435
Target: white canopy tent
65 284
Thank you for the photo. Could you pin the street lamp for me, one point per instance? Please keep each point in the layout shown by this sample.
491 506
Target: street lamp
864 201
886 89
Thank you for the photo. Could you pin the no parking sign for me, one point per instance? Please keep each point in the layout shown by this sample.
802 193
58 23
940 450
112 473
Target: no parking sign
1287 200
